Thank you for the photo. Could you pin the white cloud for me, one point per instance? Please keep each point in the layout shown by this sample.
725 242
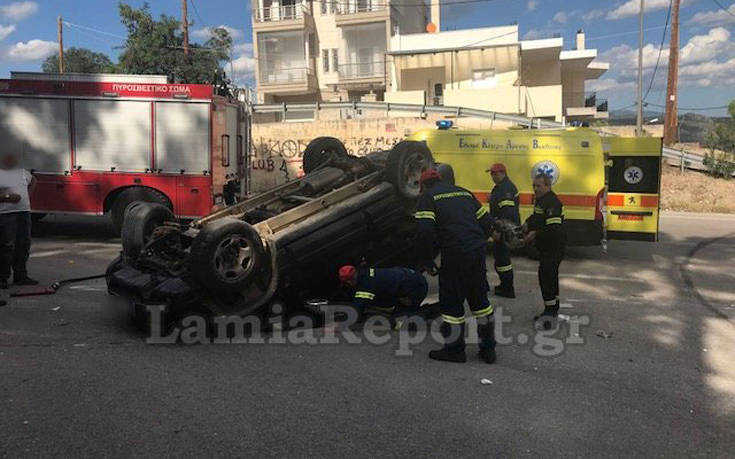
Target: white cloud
719 16
633 8
534 34
6 30
532 5
593 14
31 50
18 11
701 58
205 32
242 48
560 17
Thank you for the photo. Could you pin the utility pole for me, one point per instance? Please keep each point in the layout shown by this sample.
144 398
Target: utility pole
639 121
60 34
185 24
672 87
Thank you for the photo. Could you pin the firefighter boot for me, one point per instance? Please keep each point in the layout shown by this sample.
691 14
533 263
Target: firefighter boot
548 316
505 289
486 333
453 350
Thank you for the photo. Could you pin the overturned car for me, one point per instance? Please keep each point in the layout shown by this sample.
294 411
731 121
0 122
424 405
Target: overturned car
281 245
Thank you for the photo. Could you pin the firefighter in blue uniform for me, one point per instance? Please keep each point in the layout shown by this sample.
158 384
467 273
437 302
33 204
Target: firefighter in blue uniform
503 204
545 228
451 219
385 288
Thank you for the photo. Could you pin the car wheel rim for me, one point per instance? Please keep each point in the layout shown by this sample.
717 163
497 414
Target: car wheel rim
233 258
415 165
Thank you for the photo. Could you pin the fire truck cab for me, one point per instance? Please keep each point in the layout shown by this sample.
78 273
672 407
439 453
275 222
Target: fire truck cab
97 142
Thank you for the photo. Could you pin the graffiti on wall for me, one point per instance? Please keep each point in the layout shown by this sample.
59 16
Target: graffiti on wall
277 160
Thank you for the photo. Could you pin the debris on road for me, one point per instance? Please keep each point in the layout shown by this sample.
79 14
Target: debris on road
603 334
56 308
485 382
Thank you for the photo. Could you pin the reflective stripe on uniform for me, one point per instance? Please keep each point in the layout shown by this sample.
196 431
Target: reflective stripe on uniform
365 295
550 303
372 272
504 269
453 320
484 312
506 203
425 214
538 210
481 212
453 194
553 221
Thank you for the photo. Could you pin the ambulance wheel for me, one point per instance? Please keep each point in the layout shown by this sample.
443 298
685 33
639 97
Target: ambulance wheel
140 221
320 150
129 196
227 255
406 161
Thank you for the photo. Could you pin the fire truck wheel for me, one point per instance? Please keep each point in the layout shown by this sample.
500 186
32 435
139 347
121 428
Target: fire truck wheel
227 255
406 161
140 221
129 196
319 150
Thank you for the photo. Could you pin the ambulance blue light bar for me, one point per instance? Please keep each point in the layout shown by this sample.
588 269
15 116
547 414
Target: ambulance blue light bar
444 124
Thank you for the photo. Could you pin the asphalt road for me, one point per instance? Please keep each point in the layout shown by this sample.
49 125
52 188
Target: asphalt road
652 374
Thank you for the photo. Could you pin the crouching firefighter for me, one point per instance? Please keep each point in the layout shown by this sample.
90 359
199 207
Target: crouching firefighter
503 204
545 228
387 289
451 219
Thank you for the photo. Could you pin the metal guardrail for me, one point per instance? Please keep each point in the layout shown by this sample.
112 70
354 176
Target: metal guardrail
686 160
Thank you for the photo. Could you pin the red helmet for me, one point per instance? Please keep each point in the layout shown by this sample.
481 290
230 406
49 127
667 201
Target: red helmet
429 175
497 167
347 273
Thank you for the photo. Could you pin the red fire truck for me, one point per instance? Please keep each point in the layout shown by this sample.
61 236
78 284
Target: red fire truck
98 142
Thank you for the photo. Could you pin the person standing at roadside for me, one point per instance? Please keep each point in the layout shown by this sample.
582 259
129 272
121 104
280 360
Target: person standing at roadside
504 204
15 221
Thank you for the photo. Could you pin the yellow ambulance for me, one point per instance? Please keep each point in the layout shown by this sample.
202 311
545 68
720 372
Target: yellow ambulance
605 183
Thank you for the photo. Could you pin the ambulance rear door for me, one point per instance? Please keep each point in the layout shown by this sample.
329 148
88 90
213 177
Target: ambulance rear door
634 186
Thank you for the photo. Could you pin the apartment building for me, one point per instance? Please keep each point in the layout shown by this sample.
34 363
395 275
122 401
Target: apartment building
324 50
491 69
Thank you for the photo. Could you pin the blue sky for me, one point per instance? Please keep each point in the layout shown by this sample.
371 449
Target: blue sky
707 73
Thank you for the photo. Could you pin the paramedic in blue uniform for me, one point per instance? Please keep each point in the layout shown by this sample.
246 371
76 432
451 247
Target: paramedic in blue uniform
545 228
450 218
504 204
389 288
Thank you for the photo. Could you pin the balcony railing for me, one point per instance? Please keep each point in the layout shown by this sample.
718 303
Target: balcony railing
280 13
374 69
285 76
590 99
361 6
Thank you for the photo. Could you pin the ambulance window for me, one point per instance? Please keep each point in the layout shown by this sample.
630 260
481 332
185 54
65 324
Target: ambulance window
225 150
635 174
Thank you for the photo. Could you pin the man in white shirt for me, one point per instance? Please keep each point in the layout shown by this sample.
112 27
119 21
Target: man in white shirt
15 221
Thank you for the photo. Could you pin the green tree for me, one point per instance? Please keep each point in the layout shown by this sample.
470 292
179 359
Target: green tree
79 60
720 141
157 47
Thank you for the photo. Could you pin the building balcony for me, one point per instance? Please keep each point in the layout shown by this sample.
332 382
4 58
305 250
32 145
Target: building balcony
361 11
585 106
287 81
282 17
367 73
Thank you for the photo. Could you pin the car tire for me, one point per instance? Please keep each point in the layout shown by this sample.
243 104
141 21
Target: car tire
406 161
140 221
129 196
319 150
213 260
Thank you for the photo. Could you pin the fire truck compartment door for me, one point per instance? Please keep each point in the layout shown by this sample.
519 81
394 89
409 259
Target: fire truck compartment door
634 186
38 129
112 135
182 137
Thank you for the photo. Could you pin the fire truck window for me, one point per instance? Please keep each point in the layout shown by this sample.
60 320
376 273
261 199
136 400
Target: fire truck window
225 150
182 137
112 134
38 129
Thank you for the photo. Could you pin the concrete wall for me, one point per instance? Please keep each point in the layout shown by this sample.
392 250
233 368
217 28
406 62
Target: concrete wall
503 100
277 150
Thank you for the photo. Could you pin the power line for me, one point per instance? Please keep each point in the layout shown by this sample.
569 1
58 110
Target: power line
660 49
722 7
429 3
102 32
196 11
620 34
692 109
